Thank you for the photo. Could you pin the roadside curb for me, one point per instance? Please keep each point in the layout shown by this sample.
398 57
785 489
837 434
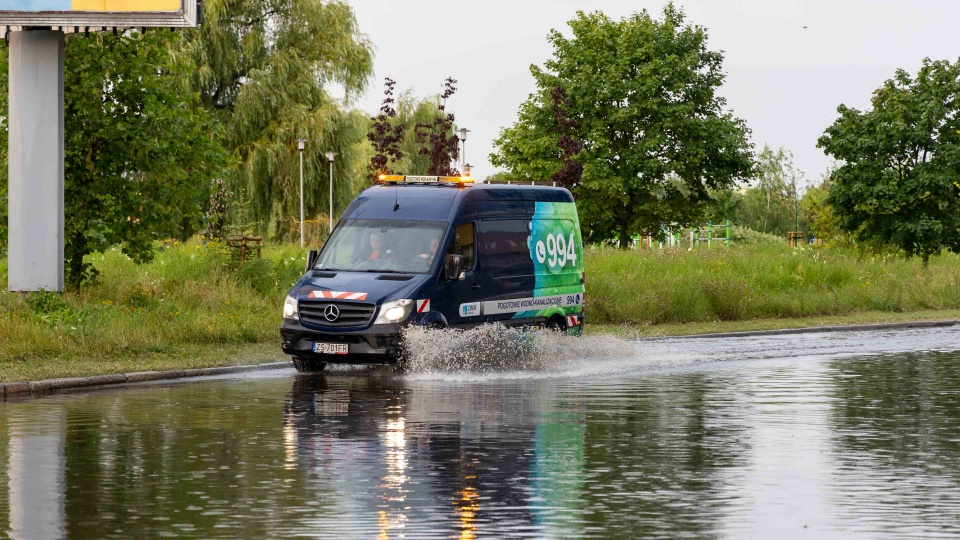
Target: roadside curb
818 329
51 385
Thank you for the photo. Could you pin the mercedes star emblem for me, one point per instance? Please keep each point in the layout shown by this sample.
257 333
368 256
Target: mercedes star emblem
331 313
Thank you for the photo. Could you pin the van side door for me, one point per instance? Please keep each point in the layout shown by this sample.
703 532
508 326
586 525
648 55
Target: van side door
508 269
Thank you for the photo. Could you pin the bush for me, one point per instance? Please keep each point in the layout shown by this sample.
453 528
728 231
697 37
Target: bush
761 280
742 236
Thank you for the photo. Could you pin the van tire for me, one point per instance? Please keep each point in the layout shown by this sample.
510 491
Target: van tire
556 324
307 365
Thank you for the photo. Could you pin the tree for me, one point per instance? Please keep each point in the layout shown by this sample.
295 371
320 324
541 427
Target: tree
571 171
656 138
402 137
139 153
772 204
262 67
438 140
818 214
726 204
900 160
530 148
411 112
385 135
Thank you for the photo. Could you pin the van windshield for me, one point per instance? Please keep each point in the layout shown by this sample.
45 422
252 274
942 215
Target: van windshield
383 245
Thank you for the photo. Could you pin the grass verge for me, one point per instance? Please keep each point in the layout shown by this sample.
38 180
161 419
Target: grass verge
180 356
632 331
193 306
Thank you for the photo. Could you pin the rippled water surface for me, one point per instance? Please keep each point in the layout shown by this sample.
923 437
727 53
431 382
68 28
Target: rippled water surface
852 435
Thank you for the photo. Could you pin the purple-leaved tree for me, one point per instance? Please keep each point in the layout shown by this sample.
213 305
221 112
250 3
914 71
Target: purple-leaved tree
385 136
439 140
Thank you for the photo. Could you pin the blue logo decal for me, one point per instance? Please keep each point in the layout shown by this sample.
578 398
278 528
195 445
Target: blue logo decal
578 299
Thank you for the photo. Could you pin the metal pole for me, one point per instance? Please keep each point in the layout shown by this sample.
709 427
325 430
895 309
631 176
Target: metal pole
331 197
35 161
463 139
301 198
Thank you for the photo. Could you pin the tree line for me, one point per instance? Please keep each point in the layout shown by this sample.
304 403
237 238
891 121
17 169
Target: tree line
626 114
170 134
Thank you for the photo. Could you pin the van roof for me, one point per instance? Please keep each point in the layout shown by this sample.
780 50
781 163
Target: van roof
442 202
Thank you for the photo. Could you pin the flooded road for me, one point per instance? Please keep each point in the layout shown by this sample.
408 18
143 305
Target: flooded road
841 435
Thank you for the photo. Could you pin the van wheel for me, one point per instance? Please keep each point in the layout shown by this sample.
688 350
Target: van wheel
308 365
556 324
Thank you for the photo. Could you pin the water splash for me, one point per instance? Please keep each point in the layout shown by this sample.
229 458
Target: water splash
497 349
493 351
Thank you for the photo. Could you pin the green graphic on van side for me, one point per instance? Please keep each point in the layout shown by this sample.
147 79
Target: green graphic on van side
556 249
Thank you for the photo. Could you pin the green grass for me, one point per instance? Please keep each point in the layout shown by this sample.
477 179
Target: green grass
654 287
190 307
171 357
195 307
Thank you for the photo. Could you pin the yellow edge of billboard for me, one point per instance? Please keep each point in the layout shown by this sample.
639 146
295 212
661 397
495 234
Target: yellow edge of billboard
125 5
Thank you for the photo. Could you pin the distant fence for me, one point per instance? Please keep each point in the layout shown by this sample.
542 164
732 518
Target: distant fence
695 236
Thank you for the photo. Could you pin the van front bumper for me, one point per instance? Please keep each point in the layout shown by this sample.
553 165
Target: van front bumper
378 344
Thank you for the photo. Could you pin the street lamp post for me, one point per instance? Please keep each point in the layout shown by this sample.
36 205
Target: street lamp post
463 139
330 156
300 144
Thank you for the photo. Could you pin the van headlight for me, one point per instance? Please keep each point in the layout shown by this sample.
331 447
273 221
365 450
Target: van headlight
290 308
394 312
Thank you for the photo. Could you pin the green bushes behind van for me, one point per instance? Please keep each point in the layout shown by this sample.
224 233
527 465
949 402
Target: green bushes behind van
764 280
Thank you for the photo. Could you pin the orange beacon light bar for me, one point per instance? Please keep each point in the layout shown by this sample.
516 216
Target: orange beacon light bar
411 179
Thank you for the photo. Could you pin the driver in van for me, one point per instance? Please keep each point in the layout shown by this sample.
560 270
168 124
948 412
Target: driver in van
377 249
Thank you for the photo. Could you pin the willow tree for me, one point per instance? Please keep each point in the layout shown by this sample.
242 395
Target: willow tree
263 68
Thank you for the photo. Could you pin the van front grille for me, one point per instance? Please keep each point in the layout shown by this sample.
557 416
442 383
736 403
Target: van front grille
349 313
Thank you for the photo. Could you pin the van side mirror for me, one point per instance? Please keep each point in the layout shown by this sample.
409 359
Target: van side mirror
311 259
452 267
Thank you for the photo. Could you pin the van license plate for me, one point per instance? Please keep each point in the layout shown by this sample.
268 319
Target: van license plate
331 348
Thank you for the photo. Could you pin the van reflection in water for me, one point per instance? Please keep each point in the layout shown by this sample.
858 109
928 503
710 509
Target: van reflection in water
384 452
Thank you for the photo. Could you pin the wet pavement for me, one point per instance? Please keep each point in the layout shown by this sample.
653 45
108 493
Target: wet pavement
843 435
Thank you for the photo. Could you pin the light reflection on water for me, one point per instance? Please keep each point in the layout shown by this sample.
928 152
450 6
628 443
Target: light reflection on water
790 437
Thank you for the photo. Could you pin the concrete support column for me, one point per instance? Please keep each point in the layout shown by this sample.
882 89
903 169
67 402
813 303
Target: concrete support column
36 161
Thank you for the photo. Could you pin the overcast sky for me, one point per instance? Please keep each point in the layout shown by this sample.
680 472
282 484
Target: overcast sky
783 79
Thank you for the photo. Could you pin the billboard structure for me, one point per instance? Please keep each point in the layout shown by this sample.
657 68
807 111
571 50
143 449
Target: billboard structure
35 32
82 15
